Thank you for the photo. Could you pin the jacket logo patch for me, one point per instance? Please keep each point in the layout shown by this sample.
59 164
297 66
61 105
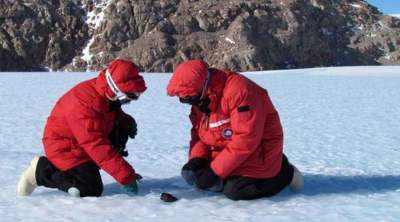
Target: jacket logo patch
227 133
243 109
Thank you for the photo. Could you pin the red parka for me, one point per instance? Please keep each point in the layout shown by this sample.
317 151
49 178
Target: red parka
78 127
242 135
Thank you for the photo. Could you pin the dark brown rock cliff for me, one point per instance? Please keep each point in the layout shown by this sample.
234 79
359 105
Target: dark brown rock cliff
239 34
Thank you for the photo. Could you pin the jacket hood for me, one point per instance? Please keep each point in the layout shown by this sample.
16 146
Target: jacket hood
188 79
126 76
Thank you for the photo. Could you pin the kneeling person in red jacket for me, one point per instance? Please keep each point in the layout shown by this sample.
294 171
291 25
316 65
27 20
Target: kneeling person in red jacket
87 130
237 137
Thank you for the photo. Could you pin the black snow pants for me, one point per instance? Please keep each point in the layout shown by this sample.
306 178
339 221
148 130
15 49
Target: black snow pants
85 177
245 188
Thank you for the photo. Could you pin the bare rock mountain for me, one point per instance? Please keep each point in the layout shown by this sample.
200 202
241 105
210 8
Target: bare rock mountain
239 34
40 34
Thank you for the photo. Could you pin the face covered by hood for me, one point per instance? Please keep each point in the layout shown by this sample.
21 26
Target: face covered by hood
190 82
188 79
121 81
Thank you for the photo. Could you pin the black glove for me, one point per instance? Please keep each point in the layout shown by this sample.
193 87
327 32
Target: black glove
119 135
196 164
190 168
118 138
132 129
206 178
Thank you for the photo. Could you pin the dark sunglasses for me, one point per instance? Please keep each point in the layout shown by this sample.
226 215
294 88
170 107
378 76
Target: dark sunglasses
192 100
128 97
196 100
133 96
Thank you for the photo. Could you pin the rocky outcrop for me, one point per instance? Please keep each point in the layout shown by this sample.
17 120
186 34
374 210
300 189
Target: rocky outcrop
239 34
40 34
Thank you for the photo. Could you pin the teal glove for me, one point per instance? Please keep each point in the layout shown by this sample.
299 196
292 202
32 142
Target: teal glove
132 187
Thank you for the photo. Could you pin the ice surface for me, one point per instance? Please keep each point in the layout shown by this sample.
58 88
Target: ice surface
342 129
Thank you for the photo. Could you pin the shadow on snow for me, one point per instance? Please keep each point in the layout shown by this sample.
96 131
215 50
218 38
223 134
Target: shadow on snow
174 185
314 184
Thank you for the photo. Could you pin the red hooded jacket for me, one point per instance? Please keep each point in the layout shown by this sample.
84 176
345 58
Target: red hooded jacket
78 127
242 135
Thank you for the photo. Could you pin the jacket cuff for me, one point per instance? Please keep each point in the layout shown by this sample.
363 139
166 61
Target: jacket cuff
217 171
128 180
199 150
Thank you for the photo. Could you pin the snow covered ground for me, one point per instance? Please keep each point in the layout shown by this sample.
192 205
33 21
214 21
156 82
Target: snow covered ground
342 129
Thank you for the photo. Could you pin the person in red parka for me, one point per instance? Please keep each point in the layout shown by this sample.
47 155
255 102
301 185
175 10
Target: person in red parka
237 139
87 131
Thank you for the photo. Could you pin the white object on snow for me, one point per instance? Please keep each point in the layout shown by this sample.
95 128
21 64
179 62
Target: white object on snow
73 191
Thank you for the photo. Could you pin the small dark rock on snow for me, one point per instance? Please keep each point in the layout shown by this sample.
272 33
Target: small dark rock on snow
166 197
